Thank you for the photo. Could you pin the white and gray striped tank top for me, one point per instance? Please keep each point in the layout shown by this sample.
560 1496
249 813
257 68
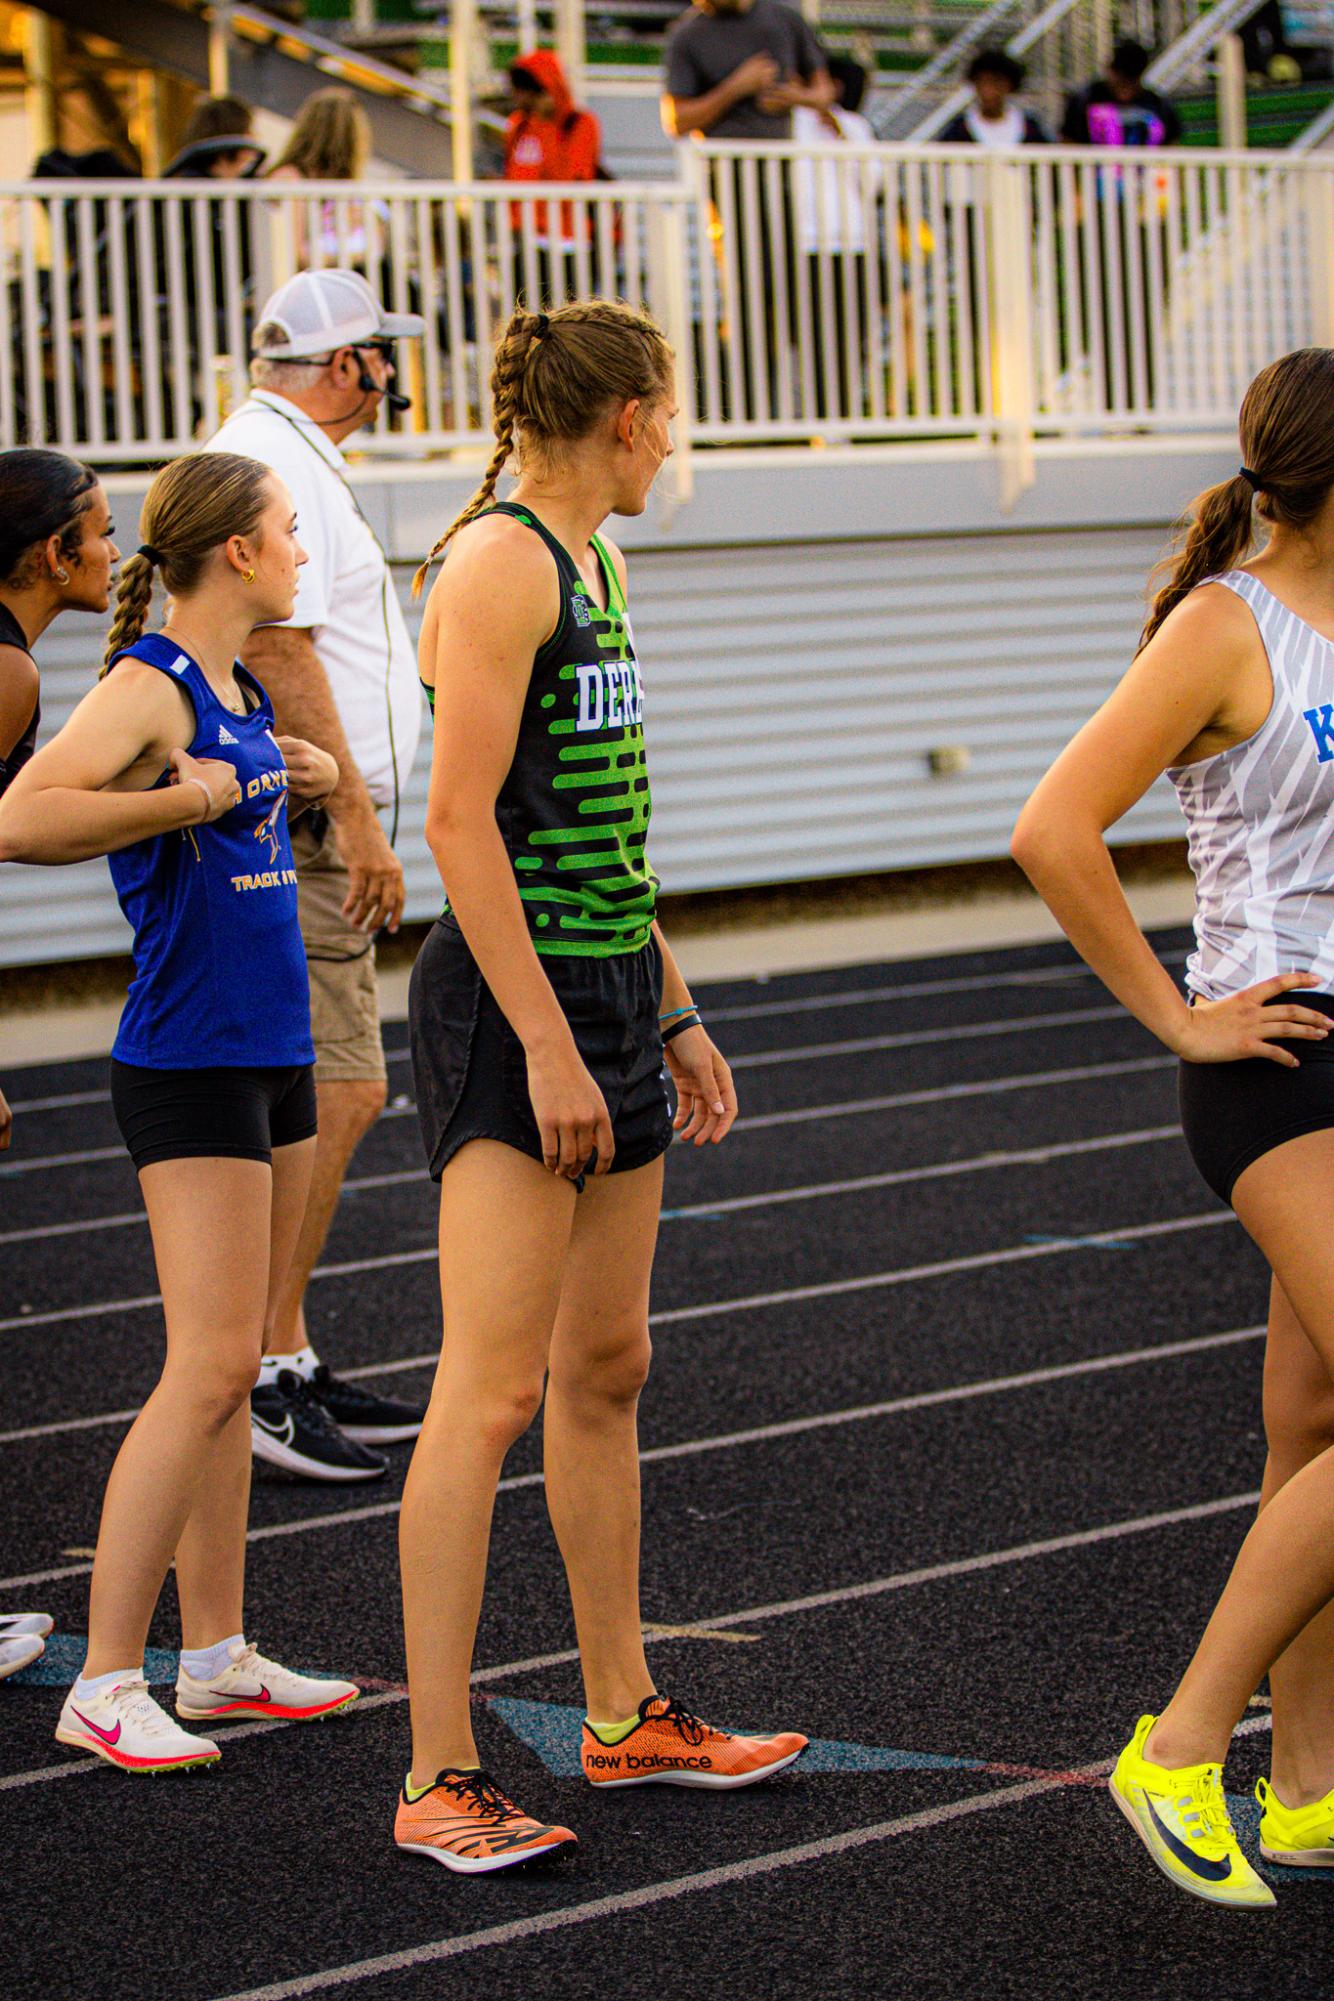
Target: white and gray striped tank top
1260 821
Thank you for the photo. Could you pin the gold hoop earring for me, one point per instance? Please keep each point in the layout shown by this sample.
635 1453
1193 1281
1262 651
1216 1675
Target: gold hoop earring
247 576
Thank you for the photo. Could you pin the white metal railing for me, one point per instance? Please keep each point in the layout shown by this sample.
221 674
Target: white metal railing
884 293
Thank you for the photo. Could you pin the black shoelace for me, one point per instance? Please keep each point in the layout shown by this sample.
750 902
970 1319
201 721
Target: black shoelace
298 1391
483 1792
681 1719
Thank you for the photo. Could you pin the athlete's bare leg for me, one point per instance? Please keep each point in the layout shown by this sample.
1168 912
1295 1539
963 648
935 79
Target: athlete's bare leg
348 1108
210 1222
598 1365
505 1226
210 1557
1283 1580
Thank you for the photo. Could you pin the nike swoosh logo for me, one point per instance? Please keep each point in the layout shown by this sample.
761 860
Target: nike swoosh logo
107 1736
1212 1872
282 1432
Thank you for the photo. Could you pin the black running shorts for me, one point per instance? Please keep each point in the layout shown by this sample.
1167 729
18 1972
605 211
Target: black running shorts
1234 1112
471 1071
207 1114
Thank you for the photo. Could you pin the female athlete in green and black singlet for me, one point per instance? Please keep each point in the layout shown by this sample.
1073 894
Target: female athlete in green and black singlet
543 1005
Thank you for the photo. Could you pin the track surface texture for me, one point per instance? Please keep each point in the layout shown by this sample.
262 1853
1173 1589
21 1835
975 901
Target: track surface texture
951 1437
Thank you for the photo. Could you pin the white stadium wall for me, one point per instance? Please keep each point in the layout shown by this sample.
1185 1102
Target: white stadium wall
798 685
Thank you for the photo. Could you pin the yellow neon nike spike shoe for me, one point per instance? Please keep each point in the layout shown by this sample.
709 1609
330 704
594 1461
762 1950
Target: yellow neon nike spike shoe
1301 1836
1181 1817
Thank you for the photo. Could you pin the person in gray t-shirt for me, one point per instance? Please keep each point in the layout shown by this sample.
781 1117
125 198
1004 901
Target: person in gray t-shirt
737 68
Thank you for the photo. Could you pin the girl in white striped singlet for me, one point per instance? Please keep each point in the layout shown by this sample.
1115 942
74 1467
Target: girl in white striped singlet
1232 695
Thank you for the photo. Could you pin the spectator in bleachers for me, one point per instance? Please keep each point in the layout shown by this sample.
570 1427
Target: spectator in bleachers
836 220
1119 109
548 138
218 143
993 118
331 141
738 69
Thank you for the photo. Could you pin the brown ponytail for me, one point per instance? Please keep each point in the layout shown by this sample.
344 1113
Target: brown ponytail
1287 449
554 375
194 505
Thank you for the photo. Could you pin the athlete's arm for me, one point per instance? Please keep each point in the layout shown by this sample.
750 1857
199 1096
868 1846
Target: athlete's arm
1190 692
493 605
705 1094
18 696
284 659
84 793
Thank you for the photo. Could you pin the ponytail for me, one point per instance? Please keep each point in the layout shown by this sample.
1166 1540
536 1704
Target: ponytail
133 598
1219 530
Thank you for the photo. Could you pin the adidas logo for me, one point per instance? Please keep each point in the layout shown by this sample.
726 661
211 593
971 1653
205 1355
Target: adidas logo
225 735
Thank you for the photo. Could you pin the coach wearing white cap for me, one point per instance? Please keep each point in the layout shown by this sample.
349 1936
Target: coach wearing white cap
342 672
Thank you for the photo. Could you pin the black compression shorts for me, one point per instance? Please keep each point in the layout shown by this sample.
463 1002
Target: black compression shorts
1232 1113
207 1114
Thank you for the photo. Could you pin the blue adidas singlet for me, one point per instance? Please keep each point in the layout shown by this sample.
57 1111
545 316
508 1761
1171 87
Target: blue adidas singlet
219 968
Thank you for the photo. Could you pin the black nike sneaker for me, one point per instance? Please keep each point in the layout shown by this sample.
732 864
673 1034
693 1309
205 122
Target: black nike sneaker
290 1428
361 1414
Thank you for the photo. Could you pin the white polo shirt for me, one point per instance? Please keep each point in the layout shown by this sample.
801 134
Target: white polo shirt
345 593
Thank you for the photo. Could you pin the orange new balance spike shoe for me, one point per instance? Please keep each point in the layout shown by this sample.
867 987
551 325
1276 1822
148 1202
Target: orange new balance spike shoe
668 1746
466 1822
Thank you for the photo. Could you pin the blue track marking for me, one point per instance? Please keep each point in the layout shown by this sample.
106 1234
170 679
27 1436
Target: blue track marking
63 1658
553 1729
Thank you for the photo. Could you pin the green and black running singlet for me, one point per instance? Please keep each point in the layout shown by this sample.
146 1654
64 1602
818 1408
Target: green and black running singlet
574 808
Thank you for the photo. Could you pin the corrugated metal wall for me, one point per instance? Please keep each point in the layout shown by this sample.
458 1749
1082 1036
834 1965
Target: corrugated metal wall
794 695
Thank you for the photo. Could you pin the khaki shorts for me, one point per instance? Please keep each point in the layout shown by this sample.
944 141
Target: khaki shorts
344 996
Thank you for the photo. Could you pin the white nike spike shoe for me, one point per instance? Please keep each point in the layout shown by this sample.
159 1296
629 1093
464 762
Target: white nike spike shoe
254 1686
125 1726
14 1625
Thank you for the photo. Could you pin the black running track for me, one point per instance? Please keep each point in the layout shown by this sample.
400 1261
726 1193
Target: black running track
953 1431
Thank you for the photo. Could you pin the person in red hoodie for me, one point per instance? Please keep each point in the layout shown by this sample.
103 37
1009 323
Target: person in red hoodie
548 138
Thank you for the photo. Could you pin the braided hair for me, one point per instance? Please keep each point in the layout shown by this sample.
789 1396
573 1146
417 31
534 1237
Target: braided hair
194 505
553 376
1287 473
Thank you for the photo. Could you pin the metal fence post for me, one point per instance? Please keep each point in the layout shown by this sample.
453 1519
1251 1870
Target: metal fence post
571 45
463 24
220 49
1010 225
1231 94
668 248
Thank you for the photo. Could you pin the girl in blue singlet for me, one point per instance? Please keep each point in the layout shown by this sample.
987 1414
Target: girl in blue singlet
170 767
56 553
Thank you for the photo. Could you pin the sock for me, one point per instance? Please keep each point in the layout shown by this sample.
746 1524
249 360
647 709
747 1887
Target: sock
87 1686
612 1733
204 1663
303 1363
413 1793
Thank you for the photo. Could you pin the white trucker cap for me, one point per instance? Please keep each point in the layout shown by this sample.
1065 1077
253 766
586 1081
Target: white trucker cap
320 310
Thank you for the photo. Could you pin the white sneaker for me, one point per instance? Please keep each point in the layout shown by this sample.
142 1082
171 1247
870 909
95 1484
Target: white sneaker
22 1639
254 1686
124 1725
20 1652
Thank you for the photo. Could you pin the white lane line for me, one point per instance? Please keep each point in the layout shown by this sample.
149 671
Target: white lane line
819 1601
802 1053
847 1108
814 1191
649 1895
756 1435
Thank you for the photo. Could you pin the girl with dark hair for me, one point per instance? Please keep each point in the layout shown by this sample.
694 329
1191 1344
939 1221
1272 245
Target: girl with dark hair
543 1006
1232 695
56 553
993 118
171 769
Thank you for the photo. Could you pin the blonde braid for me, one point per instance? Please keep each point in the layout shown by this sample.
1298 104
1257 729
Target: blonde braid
514 351
133 598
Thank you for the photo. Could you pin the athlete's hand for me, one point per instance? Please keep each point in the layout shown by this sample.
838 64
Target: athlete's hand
705 1094
311 772
1242 1025
217 777
571 1112
6 1123
375 890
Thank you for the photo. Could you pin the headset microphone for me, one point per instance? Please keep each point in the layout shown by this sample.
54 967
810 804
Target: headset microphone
367 383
